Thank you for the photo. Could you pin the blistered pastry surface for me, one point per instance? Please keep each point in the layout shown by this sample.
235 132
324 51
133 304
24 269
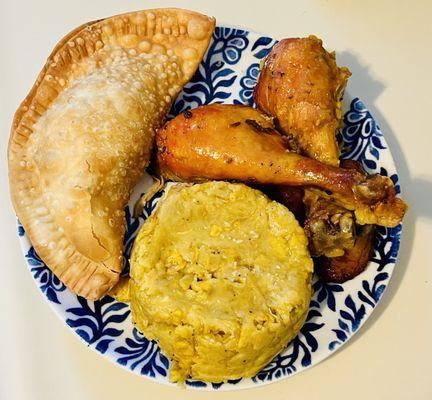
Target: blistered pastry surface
83 136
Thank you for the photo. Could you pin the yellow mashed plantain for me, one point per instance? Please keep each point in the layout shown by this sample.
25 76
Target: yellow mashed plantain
221 279
121 290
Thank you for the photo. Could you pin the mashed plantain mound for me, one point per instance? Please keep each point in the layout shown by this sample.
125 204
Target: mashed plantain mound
221 279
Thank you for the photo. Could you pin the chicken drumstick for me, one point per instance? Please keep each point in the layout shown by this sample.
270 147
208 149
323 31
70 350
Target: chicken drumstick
240 143
301 85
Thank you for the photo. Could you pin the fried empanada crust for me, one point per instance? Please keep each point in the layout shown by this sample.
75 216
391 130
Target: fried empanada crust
83 136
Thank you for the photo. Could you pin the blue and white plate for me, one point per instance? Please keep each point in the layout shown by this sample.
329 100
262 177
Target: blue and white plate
228 74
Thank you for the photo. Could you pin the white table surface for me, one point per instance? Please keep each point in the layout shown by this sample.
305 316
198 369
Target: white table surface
388 47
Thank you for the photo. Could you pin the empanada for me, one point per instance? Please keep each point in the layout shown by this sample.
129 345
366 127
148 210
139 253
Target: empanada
83 136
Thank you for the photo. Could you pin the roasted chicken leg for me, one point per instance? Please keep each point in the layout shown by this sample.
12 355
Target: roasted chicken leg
240 143
301 85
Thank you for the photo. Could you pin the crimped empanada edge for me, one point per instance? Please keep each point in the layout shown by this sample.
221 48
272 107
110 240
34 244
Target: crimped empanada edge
94 278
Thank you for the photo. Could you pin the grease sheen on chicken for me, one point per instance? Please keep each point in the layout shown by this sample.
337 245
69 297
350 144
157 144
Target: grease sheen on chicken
225 142
301 85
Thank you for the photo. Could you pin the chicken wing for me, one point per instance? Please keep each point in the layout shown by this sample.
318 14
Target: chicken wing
301 85
240 143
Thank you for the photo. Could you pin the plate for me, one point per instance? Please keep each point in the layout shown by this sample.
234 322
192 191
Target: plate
228 74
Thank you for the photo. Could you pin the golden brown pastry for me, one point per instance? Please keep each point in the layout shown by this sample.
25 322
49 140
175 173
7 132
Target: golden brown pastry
301 85
237 142
82 137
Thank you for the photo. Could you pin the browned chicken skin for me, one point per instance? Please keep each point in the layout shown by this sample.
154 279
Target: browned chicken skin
301 85
329 227
235 142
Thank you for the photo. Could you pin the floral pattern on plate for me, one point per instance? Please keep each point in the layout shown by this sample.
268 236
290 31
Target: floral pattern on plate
228 74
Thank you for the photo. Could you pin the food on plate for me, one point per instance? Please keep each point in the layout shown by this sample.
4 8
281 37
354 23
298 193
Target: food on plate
329 227
352 262
157 185
83 136
290 196
221 279
301 85
220 273
120 291
237 142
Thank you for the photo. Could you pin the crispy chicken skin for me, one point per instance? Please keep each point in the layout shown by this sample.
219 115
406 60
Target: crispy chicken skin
329 227
301 85
226 142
